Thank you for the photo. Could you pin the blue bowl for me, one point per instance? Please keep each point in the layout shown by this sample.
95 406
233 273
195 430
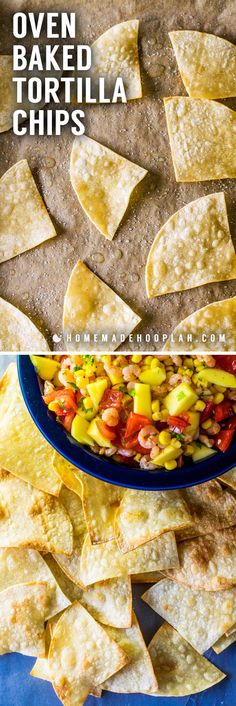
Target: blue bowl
105 469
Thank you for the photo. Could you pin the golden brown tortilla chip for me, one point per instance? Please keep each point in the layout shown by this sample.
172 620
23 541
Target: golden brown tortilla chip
69 475
115 53
6 92
207 63
71 565
194 332
212 508
103 182
180 669
23 450
41 669
24 220
22 616
148 577
202 137
138 675
229 478
198 233
224 642
92 308
74 507
18 333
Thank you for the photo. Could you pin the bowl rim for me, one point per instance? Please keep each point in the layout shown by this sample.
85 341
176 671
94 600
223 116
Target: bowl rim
104 469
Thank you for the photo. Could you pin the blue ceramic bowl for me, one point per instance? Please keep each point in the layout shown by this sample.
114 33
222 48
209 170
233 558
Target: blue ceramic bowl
106 469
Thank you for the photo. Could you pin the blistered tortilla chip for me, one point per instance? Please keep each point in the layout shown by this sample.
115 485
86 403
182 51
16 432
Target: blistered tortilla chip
18 333
207 63
224 642
69 474
81 656
148 577
41 669
202 139
194 333
74 507
71 565
6 92
180 669
30 518
145 514
22 615
103 182
21 565
67 586
201 617
23 450
229 478
138 675
115 53
207 563
212 508
103 561
24 220
198 233
92 308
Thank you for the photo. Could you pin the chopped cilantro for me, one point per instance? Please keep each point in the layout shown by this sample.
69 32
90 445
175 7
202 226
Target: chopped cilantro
77 367
62 406
179 437
122 388
73 385
88 359
132 393
181 395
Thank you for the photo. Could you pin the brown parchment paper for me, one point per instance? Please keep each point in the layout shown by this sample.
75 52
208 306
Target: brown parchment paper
36 281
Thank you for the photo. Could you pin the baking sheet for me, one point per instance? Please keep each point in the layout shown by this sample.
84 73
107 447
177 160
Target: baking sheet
36 281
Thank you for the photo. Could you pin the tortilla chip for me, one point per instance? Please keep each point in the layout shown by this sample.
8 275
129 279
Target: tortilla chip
6 92
81 656
207 63
67 586
194 332
24 220
145 514
23 450
41 669
229 478
200 233
23 565
103 182
138 675
30 518
69 474
202 137
71 565
148 577
115 53
18 333
207 563
201 617
180 669
74 507
91 307
103 561
224 642
212 508
22 615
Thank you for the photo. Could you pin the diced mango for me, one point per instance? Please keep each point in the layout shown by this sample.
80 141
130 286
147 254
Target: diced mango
96 391
95 433
168 454
142 399
216 376
180 399
44 367
79 430
201 452
153 376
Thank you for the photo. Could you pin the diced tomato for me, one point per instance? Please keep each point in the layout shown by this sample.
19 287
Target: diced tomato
207 412
223 440
135 423
106 431
67 420
223 410
178 424
66 399
111 398
226 362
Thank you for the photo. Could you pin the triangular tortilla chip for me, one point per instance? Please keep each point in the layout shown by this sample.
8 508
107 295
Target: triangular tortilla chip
202 139
145 514
81 656
148 577
224 642
24 220
212 508
67 586
207 563
71 565
21 565
74 507
115 53
92 308
201 617
30 518
181 671
103 182
41 667
23 450
138 675
22 616
194 332
200 233
207 63
17 332
229 478
6 92
69 474
103 561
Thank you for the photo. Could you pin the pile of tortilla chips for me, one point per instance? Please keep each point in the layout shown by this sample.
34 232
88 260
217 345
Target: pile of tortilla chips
70 551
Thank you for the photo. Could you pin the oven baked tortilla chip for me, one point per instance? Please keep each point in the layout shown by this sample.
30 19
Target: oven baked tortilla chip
24 220
91 307
212 508
148 577
207 563
197 234
224 642
69 474
22 616
202 137
138 675
41 668
74 507
21 565
201 617
103 182
145 514
23 450
207 63
67 586
30 518
18 333
71 565
115 53
181 671
81 656
6 92
193 333
103 561
229 478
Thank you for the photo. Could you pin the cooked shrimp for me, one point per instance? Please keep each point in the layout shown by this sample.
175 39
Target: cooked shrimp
110 416
148 436
205 440
214 429
111 451
48 387
177 360
175 379
131 373
208 359
126 452
146 464
155 450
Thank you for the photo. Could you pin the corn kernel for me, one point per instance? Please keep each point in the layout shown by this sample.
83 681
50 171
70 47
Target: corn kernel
219 388
170 465
156 416
156 406
189 450
207 424
164 438
189 363
218 398
195 378
137 457
148 359
164 414
176 444
199 406
155 363
136 358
